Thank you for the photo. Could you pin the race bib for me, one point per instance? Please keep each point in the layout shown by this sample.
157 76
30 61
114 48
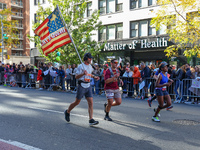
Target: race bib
85 85
109 94
87 78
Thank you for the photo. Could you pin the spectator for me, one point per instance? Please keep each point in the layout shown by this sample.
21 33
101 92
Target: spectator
68 77
40 78
145 74
136 78
180 74
73 79
187 83
61 74
126 76
96 72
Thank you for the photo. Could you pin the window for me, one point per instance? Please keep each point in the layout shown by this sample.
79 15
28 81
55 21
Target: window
119 5
35 18
144 28
88 11
119 31
110 6
102 34
152 29
143 3
162 30
133 4
111 32
39 1
152 2
3 6
134 29
35 2
102 6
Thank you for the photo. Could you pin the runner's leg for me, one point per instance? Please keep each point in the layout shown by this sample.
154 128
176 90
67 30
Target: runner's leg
90 106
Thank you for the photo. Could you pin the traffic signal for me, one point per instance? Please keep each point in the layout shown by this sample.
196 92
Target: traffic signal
5 36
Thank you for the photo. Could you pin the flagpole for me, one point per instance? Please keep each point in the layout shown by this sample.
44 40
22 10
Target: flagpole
70 35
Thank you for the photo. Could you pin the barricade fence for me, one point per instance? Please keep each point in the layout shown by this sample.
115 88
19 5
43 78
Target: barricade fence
132 87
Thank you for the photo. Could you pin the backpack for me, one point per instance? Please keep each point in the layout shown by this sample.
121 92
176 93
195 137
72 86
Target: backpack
112 74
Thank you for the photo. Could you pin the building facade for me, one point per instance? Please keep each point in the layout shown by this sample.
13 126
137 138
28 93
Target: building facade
127 31
21 51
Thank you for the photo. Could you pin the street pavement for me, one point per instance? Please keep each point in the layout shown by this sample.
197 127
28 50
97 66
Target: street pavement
35 121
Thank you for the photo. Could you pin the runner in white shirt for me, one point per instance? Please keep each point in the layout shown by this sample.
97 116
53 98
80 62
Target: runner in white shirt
84 74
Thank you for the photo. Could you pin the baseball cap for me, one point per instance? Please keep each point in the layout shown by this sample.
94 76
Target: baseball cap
95 64
88 55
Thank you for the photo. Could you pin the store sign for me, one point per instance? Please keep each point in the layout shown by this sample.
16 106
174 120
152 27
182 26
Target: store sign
144 44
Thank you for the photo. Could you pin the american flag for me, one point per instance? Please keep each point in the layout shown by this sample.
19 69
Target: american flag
52 32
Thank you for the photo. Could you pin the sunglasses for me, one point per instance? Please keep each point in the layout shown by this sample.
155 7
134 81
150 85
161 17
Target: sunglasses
115 62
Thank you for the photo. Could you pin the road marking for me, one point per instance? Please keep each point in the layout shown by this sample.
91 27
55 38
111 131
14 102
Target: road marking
54 111
18 145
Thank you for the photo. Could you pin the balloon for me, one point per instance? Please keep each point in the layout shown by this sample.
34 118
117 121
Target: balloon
58 53
58 58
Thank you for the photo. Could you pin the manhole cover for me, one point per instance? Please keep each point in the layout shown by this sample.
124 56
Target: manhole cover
186 122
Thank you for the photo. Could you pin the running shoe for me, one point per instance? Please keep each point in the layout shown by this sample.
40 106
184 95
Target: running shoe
107 118
67 116
155 111
105 107
156 119
170 107
149 102
93 122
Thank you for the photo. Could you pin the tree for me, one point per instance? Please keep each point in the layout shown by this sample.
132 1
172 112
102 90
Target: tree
79 28
9 29
182 18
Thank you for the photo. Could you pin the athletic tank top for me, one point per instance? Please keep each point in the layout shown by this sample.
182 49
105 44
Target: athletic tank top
164 78
163 81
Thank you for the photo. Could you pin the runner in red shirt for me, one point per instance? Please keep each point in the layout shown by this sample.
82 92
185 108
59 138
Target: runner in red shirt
111 87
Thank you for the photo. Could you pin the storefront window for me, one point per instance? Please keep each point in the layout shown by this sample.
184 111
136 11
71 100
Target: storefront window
111 32
110 6
134 29
143 30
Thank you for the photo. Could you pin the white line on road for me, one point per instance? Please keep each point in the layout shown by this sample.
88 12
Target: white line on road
20 145
54 111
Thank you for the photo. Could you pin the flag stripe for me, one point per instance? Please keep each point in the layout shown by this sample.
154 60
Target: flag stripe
44 35
56 39
57 45
63 39
41 26
44 30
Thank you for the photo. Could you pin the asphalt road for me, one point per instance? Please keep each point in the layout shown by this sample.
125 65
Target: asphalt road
36 118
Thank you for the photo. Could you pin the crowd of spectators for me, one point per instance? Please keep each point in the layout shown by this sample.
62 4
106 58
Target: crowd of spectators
64 76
